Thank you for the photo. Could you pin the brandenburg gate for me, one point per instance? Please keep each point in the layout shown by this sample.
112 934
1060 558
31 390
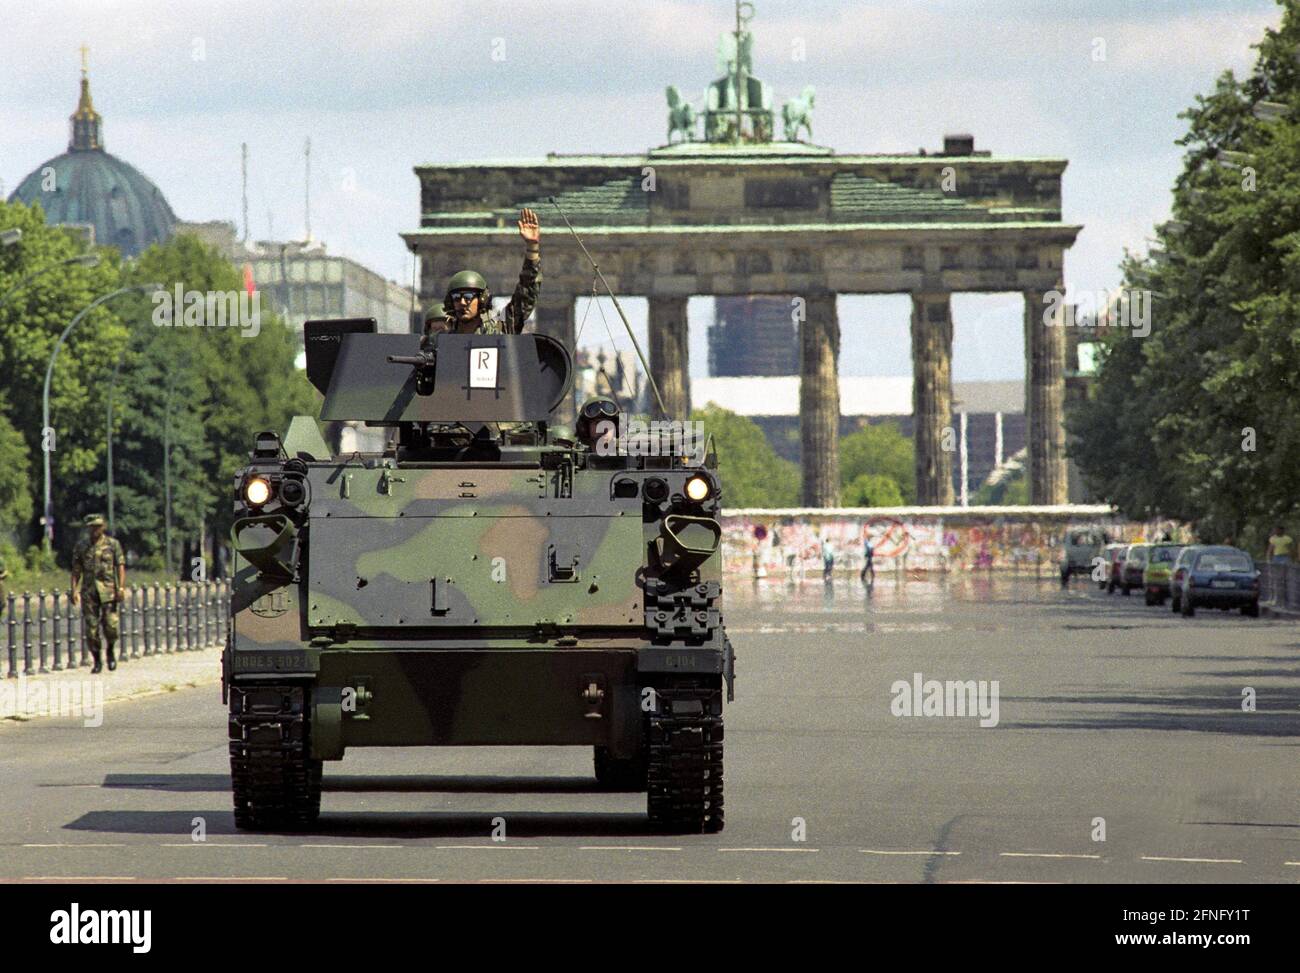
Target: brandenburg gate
739 213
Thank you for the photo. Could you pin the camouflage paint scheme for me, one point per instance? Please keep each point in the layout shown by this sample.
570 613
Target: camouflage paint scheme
436 602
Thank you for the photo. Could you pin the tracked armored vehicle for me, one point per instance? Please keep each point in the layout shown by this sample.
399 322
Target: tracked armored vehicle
488 578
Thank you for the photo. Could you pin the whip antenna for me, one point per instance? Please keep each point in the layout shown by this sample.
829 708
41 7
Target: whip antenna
608 290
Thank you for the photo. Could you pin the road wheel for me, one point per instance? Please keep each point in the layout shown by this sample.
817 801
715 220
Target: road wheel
1150 599
620 773
1175 604
1125 589
1250 611
1189 606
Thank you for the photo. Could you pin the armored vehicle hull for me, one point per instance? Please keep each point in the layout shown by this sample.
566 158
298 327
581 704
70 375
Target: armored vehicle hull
523 587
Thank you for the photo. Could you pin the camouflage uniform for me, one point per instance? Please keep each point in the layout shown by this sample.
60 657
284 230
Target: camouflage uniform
513 315
96 563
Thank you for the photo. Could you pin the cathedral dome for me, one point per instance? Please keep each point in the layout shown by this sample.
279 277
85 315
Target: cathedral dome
88 185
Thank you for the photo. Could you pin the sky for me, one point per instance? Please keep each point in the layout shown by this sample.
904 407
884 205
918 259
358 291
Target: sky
380 86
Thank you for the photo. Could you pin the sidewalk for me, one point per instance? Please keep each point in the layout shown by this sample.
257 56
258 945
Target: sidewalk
75 692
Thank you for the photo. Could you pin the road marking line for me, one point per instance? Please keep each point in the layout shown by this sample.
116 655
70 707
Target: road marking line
626 848
346 846
213 844
480 847
75 844
769 849
1043 854
1291 863
872 851
1199 861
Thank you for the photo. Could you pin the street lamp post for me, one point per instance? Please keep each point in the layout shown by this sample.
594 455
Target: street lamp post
46 445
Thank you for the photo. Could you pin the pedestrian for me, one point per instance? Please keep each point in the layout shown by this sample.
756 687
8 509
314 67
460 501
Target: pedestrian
1279 546
4 595
828 558
868 562
98 583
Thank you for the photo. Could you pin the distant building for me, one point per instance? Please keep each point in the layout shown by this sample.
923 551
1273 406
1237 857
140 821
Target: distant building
302 281
753 336
598 372
113 202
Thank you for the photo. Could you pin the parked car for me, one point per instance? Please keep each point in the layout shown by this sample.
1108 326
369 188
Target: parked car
1080 547
1178 572
1135 562
1111 558
1155 579
1220 577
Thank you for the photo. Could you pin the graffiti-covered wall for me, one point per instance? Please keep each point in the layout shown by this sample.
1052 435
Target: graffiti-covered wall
773 542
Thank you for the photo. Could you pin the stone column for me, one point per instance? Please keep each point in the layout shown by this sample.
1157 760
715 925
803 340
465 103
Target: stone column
554 315
669 361
1045 399
932 397
819 401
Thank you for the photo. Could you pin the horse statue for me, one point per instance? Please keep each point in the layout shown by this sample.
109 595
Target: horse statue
796 113
681 116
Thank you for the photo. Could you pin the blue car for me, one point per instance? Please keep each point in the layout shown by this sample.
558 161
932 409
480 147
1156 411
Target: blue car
1219 577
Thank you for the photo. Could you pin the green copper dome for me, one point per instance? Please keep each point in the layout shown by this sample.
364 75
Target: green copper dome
87 185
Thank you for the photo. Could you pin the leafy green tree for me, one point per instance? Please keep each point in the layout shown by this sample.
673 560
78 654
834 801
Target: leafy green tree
883 451
16 504
872 490
752 474
217 386
1199 420
31 320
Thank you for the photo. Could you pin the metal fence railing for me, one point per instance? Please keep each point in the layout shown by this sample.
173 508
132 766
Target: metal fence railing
41 631
1279 585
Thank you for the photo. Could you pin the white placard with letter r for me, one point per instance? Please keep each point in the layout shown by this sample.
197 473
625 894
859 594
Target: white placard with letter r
483 368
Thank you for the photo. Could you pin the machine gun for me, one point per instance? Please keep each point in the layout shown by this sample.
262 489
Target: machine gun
425 364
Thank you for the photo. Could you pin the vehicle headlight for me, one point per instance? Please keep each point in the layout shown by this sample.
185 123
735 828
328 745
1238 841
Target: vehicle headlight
697 488
257 490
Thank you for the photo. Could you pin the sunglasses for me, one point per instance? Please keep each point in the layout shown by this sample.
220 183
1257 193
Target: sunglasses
465 295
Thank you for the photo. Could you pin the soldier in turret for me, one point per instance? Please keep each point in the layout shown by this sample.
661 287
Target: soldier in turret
467 307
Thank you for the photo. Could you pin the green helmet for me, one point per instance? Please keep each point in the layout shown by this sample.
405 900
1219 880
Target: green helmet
467 280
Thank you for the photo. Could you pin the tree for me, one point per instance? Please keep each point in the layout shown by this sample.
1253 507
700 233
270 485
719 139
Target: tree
872 490
31 321
752 474
15 477
883 451
1199 420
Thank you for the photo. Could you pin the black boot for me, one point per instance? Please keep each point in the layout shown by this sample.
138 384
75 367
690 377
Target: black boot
98 667
112 660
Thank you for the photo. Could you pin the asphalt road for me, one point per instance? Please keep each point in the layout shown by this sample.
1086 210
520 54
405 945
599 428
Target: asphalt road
1107 710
